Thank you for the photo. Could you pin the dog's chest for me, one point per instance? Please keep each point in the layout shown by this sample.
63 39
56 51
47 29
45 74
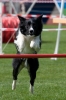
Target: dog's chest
26 46
23 43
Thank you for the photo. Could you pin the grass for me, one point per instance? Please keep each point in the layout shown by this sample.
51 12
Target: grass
50 83
64 11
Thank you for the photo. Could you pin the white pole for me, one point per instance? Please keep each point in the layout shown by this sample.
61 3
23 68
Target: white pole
13 7
55 1
32 5
58 34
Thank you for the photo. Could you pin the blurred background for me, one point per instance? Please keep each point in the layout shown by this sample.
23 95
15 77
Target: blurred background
51 76
9 10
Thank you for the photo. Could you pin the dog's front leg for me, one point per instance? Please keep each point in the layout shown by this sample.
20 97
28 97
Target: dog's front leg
36 43
19 46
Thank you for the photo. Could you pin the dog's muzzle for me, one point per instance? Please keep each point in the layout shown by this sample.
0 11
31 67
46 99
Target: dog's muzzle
31 31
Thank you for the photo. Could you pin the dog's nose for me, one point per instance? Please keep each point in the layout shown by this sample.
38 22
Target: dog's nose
31 31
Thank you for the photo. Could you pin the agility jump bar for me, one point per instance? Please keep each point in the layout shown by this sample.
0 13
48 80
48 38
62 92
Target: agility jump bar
32 55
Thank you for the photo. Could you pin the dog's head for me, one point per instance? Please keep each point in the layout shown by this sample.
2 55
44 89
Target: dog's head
31 26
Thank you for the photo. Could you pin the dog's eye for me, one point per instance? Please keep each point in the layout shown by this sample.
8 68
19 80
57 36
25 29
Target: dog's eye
22 27
34 24
29 23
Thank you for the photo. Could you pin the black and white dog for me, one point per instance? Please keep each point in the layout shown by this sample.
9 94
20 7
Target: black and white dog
27 41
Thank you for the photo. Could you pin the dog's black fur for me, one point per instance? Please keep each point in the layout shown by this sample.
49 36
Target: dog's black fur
27 40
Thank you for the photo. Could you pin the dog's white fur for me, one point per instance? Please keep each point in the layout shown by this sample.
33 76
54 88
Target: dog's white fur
14 86
35 43
31 88
27 44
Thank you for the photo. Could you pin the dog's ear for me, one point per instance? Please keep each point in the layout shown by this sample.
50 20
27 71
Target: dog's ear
39 18
22 19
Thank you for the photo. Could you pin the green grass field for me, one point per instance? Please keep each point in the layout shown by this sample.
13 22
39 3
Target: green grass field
50 83
64 11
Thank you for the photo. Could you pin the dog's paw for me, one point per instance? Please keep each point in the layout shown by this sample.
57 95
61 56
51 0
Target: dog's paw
35 46
31 88
32 44
14 84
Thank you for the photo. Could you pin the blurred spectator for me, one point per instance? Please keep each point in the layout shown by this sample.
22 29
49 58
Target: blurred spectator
22 8
6 8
